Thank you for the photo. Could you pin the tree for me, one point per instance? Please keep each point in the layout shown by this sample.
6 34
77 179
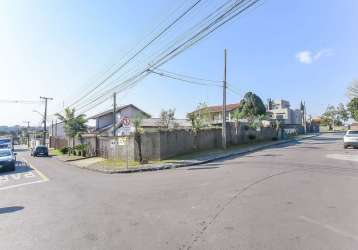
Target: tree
237 115
251 107
353 108
167 117
352 90
342 112
199 118
138 131
330 117
74 125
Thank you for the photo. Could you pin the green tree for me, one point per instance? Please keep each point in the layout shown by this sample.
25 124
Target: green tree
167 117
342 113
331 117
251 107
74 126
199 118
138 131
353 108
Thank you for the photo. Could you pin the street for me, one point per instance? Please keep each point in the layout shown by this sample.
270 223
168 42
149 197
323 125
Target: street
299 195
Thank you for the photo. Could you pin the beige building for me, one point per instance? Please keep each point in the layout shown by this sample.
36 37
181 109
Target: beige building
215 112
281 110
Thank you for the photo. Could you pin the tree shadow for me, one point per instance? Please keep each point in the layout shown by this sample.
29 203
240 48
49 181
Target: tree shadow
5 210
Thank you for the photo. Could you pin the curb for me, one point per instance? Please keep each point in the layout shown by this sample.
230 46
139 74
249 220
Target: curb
172 166
73 159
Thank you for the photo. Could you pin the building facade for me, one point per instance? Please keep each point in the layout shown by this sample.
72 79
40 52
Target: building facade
281 110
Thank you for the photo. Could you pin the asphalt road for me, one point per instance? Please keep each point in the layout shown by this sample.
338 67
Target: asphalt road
301 195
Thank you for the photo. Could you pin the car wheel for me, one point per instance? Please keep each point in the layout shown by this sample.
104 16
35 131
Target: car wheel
345 146
12 167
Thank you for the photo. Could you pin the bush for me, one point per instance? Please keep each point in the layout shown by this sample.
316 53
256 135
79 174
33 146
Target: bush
64 150
275 138
252 137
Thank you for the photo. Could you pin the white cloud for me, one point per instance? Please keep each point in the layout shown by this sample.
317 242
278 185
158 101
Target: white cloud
308 57
304 56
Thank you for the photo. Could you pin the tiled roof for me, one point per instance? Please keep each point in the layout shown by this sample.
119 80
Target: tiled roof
117 110
218 108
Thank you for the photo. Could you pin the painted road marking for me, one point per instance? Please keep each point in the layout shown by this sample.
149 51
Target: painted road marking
329 227
344 157
25 174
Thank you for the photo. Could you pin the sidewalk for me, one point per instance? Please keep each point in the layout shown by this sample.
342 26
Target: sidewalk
196 158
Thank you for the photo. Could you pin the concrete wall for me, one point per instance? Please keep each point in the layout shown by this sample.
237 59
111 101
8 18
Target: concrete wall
57 130
164 144
108 148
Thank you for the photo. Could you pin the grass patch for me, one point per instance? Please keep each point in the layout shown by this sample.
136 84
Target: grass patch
122 164
55 152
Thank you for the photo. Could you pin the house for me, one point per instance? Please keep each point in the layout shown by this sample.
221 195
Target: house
215 112
104 120
281 110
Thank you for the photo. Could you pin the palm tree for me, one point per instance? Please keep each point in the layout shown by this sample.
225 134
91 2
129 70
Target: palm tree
138 131
74 125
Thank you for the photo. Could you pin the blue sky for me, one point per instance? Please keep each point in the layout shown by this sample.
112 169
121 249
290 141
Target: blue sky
296 50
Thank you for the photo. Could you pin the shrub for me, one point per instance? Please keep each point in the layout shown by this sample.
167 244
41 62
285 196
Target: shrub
275 138
252 137
64 150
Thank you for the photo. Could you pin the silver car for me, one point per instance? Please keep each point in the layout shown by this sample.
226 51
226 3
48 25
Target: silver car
7 160
350 139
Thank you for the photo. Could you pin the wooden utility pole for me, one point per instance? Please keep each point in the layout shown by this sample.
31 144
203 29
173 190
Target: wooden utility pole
224 105
45 117
114 113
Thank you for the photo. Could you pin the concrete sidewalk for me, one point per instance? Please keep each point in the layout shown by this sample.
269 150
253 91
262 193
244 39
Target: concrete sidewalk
203 158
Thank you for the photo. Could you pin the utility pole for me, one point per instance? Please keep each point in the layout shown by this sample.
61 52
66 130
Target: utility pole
224 105
114 113
28 133
45 117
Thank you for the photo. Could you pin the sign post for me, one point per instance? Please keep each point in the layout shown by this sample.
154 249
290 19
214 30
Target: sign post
126 131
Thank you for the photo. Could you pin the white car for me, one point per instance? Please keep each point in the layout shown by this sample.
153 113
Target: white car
350 139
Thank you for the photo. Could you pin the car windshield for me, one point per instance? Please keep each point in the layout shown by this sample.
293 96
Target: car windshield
4 153
352 133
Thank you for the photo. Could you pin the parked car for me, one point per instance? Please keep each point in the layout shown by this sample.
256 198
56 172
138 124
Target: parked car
350 139
39 151
7 160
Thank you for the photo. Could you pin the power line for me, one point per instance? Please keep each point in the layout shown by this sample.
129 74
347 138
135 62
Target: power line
141 50
184 80
217 20
20 101
188 76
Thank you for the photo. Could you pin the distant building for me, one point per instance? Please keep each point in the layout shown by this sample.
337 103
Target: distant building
281 110
215 112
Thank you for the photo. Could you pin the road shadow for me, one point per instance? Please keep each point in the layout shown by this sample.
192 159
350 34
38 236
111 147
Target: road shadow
5 210
21 167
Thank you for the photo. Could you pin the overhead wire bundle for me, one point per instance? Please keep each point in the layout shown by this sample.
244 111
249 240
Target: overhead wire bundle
147 59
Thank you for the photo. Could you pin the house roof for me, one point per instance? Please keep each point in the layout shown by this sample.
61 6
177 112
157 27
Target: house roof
117 110
218 108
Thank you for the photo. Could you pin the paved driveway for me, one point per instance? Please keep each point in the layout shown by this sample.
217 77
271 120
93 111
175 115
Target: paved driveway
293 196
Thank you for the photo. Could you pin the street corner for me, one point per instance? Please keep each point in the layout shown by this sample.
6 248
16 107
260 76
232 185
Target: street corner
24 174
